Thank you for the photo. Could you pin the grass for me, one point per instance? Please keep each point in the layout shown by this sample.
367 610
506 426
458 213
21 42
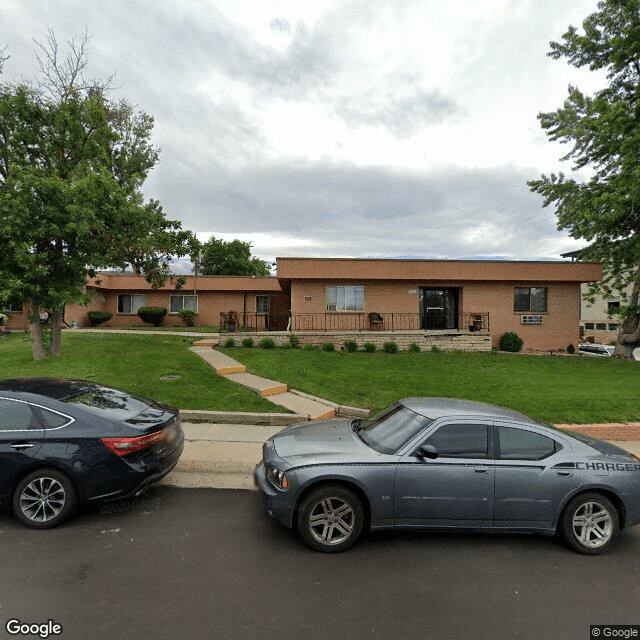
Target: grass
146 327
134 363
555 389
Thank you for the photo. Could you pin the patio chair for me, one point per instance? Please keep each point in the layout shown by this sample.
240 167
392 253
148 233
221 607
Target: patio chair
375 320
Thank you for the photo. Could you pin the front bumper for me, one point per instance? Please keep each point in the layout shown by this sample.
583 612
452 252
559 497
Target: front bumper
278 504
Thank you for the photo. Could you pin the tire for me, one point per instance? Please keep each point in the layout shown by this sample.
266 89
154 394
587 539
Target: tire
330 518
44 499
590 524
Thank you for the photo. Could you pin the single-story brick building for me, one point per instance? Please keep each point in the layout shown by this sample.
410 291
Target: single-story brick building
447 303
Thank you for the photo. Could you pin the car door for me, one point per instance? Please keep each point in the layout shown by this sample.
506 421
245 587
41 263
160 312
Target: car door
453 489
533 474
21 437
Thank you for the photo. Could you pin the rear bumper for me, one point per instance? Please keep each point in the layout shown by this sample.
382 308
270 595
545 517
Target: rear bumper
278 504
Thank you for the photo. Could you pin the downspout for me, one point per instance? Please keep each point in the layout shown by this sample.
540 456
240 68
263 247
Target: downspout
244 308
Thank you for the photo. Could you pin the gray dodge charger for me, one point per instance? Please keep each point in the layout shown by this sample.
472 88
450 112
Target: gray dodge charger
438 463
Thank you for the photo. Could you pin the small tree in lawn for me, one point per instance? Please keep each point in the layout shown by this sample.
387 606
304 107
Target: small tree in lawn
72 163
604 131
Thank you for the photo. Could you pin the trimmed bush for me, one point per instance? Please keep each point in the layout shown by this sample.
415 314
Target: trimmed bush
267 343
96 318
152 315
511 341
351 346
309 347
328 346
390 347
435 348
247 342
188 316
370 347
414 347
294 341
571 349
228 343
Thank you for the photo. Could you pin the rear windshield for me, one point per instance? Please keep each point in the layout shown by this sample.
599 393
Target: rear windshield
117 404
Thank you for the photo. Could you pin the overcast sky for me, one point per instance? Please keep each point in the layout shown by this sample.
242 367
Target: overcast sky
344 128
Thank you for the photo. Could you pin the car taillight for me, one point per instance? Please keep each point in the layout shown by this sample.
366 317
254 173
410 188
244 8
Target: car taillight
124 446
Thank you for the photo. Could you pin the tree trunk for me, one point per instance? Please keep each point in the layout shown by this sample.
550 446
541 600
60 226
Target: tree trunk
35 329
55 322
629 335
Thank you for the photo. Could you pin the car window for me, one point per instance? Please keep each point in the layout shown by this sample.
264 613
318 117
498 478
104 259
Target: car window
16 416
520 444
461 441
392 428
51 419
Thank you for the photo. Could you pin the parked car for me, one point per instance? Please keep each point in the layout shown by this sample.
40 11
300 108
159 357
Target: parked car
66 443
438 463
591 349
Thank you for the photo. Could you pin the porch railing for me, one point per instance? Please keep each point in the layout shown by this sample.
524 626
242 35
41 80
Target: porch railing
388 322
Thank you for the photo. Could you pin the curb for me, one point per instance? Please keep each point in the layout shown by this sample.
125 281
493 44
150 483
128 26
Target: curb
238 417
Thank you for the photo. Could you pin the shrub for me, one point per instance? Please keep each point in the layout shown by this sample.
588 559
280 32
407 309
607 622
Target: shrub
370 347
328 346
152 315
571 349
511 341
247 342
267 343
188 316
390 347
294 341
96 318
414 347
351 346
435 348
228 343
309 347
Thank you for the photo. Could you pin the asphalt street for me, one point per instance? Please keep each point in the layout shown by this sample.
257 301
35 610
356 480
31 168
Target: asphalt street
207 563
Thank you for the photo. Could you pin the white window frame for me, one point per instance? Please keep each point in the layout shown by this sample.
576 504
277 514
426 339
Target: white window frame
345 298
134 299
182 305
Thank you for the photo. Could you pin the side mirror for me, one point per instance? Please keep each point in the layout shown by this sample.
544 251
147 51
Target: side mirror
427 451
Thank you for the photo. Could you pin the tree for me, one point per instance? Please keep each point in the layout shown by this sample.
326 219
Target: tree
72 163
231 259
604 131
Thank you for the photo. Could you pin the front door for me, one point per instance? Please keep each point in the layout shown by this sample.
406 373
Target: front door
438 309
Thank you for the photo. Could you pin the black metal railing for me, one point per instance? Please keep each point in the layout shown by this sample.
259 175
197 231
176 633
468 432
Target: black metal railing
336 321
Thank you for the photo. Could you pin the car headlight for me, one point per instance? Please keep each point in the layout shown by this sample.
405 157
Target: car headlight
277 477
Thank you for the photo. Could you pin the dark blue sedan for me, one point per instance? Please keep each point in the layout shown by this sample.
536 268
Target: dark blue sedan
442 464
66 443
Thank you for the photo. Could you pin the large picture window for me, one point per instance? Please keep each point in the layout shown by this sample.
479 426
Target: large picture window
178 302
530 299
131 302
345 298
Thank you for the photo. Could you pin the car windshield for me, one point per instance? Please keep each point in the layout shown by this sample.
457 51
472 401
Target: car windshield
392 428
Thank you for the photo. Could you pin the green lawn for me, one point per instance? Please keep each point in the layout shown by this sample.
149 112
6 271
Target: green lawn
134 363
578 389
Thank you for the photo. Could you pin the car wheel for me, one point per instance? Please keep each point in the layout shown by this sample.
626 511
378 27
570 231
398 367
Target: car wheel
590 524
44 499
330 518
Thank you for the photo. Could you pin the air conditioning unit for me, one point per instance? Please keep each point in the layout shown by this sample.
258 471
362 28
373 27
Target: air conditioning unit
531 319
331 307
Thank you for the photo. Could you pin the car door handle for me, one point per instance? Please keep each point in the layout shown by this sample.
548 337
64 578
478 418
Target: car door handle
565 473
21 445
481 470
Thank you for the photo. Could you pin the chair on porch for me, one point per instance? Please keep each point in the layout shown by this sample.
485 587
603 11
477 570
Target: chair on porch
375 320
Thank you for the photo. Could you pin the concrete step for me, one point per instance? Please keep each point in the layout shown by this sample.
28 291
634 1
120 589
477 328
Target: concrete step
262 386
222 363
310 409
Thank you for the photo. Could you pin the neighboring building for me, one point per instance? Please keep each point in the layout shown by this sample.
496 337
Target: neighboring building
598 322
446 303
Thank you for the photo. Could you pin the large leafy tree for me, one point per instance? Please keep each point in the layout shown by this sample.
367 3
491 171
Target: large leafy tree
603 130
72 163
233 258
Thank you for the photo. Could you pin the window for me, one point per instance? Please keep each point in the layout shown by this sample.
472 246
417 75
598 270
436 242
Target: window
263 305
178 302
345 298
518 444
526 319
530 299
613 326
613 307
461 441
601 326
392 428
589 326
52 419
131 302
16 416
14 306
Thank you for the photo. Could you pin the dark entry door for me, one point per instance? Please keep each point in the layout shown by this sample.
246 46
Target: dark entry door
438 309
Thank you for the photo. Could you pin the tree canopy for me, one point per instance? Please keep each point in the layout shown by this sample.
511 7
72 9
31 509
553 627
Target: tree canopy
603 130
72 164
233 258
